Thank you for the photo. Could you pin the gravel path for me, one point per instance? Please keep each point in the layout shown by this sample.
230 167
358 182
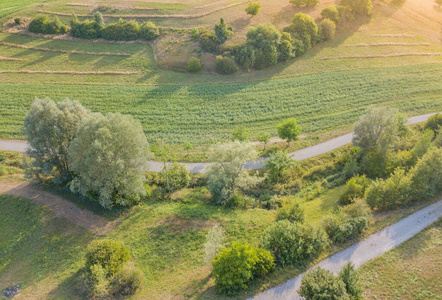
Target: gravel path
362 252
302 154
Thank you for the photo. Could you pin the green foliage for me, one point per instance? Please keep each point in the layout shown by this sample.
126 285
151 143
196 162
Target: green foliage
253 8
320 284
98 281
223 32
87 29
334 13
423 144
277 165
228 173
264 138
361 7
304 28
340 232
234 268
434 123
108 254
187 146
355 189
49 129
109 157
285 50
208 41
350 277
149 31
225 65
42 24
327 29
293 243
304 2
289 130
17 21
359 208
121 31
240 134
426 175
176 176
127 280
194 33
292 213
194 65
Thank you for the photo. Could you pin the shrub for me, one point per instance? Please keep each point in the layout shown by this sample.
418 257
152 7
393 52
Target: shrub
434 123
334 13
361 7
17 21
426 175
235 267
320 284
176 176
304 2
194 33
392 192
121 31
109 255
327 29
128 280
253 8
43 25
292 243
349 229
261 49
292 213
350 278
149 31
277 166
98 281
223 32
359 208
225 65
356 187
87 29
194 65
303 27
208 41
423 144
240 134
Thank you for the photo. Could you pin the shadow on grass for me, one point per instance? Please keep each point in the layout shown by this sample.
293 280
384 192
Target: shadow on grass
73 287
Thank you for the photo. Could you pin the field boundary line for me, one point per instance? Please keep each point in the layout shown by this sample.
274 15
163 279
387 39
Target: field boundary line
387 44
11 58
63 51
69 72
383 55
194 16
393 35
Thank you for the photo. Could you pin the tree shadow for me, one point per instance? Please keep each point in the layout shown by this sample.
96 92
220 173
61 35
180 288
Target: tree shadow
73 287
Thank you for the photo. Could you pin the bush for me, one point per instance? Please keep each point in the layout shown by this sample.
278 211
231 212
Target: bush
327 29
334 13
361 7
87 29
350 278
434 123
304 2
320 284
17 21
349 229
176 176
359 208
121 31
194 65
194 33
356 187
253 8
392 192
234 268
292 243
43 25
128 280
426 175
261 49
225 65
277 166
98 281
304 28
223 32
208 41
292 213
109 255
149 31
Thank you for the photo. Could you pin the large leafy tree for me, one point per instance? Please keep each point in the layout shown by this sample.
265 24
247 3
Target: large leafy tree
222 31
109 157
49 129
289 130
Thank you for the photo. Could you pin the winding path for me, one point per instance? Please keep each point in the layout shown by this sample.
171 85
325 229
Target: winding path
301 154
362 252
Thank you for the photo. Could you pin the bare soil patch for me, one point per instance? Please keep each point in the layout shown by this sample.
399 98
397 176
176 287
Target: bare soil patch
61 207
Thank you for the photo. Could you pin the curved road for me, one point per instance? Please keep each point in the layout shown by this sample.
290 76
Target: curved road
301 154
362 252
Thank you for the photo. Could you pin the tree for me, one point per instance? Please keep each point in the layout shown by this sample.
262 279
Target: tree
327 29
264 138
228 172
149 31
361 7
277 164
320 284
187 146
108 254
223 32
289 130
434 122
334 13
304 28
225 65
240 134
109 157
253 8
261 48
176 176
376 130
350 277
49 129
194 65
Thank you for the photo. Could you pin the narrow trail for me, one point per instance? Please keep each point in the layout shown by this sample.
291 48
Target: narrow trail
59 206
360 253
301 154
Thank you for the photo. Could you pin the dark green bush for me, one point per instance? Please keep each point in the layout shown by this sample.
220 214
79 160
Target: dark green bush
208 41
359 208
128 280
222 31
327 29
121 31
334 13
434 123
194 65
87 29
293 243
356 187
97 279
225 65
253 8
349 229
304 28
110 255
17 21
43 25
277 166
194 33
149 31
426 175
361 7
350 278
320 284
292 213
235 267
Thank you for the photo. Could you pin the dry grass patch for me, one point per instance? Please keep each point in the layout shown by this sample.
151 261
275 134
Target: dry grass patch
69 72
382 55
387 44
